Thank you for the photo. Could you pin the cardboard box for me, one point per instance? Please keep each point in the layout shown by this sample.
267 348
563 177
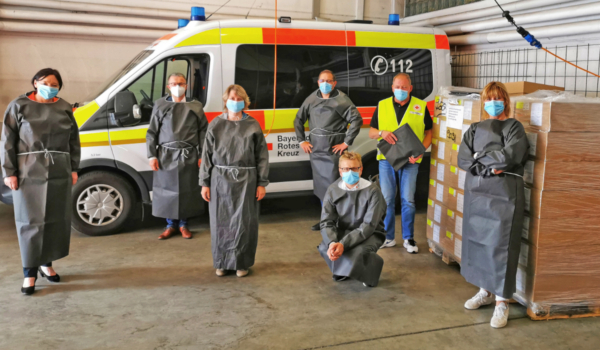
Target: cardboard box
456 135
436 212
556 234
441 150
434 231
439 129
439 106
558 116
453 221
436 190
525 87
570 205
447 241
438 170
455 177
557 176
454 154
454 199
550 146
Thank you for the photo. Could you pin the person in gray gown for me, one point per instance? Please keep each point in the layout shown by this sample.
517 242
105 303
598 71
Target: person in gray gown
328 112
40 158
174 139
493 153
234 174
352 225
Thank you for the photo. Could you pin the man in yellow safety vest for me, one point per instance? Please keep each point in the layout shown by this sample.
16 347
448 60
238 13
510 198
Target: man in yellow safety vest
391 114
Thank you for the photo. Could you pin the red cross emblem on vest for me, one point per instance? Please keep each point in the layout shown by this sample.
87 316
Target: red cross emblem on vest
417 108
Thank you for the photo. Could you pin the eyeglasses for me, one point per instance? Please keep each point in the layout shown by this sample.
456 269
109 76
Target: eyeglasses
345 170
326 81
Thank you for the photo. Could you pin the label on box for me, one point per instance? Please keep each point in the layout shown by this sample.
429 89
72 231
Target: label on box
525 233
521 279
462 175
452 192
436 233
458 248
443 129
441 150
430 202
458 225
455 117
453 169
449 235
524 255
440 171
532 138
527 199
439 192
460 202
536 114
528 174
444 107
429 223
437 213
433 162
450 213
468 109
453 101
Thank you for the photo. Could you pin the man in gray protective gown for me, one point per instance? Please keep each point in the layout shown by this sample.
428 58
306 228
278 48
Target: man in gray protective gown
175 138
352 225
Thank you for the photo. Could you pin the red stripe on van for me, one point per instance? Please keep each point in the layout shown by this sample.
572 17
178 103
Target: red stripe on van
441 42
305 37
212 115
351 38
259 116
431 107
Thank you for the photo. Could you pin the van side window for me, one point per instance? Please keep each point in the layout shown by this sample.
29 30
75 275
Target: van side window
298 69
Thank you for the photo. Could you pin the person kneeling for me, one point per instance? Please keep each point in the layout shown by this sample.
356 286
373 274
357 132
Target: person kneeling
352 225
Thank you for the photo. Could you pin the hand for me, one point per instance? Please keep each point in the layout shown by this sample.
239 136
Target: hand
335 251
260 192
154 164
306 146
199 163
413 160
75 177
389 137
206 193
340 148
497 172
12 182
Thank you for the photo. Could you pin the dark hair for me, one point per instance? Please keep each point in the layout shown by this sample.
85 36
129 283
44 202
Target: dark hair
46 72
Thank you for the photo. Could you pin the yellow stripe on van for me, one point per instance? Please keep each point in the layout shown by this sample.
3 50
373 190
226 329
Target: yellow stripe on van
82 114
284 120
94 139
209 37
126 137
395 40
241 36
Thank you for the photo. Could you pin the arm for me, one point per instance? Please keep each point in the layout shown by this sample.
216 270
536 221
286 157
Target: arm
10 139
465 154
152 134
301 118
514 152
74 144
329 219
261 154
353 117
207 163
202 127
374 214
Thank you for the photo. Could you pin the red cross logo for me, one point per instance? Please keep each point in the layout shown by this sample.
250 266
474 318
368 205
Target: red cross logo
417 108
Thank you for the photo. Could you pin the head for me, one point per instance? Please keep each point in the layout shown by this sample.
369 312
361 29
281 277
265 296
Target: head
236 94
402 86
177 84
48 80
496 99
350 162
327 81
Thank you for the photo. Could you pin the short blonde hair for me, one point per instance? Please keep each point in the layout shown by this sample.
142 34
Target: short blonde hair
240 91
352 156
496 89
402 75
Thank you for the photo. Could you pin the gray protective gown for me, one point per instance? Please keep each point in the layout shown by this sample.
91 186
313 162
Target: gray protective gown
355 219
175 137
494 204
41 147
328 121
235 160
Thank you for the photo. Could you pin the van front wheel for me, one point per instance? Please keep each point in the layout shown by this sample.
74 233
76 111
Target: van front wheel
102 203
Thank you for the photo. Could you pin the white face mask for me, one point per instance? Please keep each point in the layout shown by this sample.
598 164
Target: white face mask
177 91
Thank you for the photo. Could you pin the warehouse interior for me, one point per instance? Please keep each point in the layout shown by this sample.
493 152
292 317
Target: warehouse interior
128 290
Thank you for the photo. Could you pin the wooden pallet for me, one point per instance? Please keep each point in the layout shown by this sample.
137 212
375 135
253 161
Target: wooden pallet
447 257
562 312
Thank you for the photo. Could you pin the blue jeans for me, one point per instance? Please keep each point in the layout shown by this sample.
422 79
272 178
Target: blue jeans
172 223
407 177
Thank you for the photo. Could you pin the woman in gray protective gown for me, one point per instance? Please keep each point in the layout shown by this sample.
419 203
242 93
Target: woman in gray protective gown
493 153
234 174
40 158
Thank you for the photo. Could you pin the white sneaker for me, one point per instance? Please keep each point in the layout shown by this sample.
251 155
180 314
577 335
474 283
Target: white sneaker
480 299
221 272
242 273
388 243
411 246
500 318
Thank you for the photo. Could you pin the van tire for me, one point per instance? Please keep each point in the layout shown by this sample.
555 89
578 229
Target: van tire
109 184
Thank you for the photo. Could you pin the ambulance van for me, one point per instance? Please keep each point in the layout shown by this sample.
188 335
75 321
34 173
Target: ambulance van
115 177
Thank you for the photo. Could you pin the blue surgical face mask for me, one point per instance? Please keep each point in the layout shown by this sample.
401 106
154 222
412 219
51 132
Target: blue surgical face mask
235 106
400 94
325 88
47 92
494 108
350 177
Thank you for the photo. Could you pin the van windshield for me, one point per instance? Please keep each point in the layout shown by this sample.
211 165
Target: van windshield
118 75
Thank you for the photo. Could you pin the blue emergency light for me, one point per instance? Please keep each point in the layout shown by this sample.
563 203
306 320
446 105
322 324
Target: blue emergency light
198 14
182 22
394 19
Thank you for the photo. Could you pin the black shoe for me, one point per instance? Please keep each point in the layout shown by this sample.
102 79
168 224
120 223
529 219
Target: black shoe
316 227
54 279
339 278
29 290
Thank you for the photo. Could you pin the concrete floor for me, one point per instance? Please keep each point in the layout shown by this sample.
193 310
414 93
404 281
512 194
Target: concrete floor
131 291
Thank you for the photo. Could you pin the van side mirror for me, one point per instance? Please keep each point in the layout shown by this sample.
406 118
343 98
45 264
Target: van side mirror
126 111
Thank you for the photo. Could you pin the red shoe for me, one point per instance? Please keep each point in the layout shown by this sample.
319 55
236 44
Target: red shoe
168 233
185 232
